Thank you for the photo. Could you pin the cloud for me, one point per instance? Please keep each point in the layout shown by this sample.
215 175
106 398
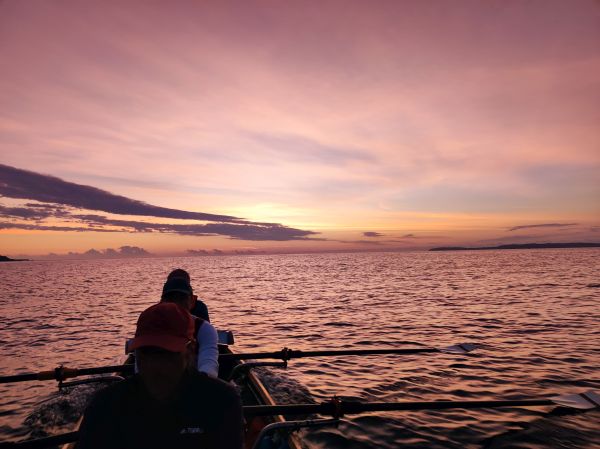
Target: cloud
360 242
543 225
403 239
253 232
133 251
303 149
267 231
197 252
38 227
26 213
372 234
24 184
108 253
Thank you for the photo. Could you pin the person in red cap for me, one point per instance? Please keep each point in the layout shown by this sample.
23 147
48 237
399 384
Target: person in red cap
168 403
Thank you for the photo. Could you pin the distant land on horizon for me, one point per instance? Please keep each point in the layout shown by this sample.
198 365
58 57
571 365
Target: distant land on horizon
8 259
520 246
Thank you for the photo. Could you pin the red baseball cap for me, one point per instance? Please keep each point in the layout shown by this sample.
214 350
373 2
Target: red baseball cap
164 325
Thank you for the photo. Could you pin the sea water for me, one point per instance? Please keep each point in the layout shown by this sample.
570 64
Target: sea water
536 313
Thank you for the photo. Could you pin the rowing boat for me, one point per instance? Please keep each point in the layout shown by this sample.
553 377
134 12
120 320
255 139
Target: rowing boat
261 431
266 423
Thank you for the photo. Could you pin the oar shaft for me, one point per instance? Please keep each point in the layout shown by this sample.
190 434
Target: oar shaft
291 354
18 378
349 407
106 370
364 352
63 373
330 408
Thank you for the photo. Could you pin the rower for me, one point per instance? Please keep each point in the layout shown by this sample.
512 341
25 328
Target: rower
200 310
168 404
179 291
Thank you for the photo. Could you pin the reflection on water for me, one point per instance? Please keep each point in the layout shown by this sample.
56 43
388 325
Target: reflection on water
536 311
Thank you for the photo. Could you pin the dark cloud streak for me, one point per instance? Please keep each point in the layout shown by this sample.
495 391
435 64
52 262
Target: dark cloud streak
60 196
37 227
98 223
24 184
543 225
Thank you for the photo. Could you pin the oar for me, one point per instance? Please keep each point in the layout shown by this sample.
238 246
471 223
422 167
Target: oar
62 373
337 408
288 354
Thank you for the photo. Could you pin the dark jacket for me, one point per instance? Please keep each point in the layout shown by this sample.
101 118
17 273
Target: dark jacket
207 414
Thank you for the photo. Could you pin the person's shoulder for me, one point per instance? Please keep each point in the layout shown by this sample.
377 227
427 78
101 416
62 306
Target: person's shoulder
212 387
114 392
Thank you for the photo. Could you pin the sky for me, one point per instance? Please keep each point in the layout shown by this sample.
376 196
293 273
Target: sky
264 126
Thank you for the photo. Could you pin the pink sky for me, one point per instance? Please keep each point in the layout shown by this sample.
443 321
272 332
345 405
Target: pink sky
449 122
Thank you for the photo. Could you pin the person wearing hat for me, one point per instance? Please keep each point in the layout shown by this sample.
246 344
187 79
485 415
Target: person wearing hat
200 310
168 403
179 291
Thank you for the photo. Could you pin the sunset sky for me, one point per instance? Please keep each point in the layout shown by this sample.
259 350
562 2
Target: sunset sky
297 126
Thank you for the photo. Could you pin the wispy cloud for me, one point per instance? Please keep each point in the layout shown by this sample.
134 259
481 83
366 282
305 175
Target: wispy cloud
543 225
372 234
359 242
300 148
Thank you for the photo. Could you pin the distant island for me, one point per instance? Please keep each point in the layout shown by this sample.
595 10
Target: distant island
519 246
8 259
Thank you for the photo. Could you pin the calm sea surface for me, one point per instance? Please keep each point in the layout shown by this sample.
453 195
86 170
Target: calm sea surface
537 312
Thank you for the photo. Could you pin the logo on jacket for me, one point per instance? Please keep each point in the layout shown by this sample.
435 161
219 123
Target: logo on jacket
191 430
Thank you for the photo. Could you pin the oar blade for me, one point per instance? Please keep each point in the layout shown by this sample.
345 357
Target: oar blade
461 348
582 401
